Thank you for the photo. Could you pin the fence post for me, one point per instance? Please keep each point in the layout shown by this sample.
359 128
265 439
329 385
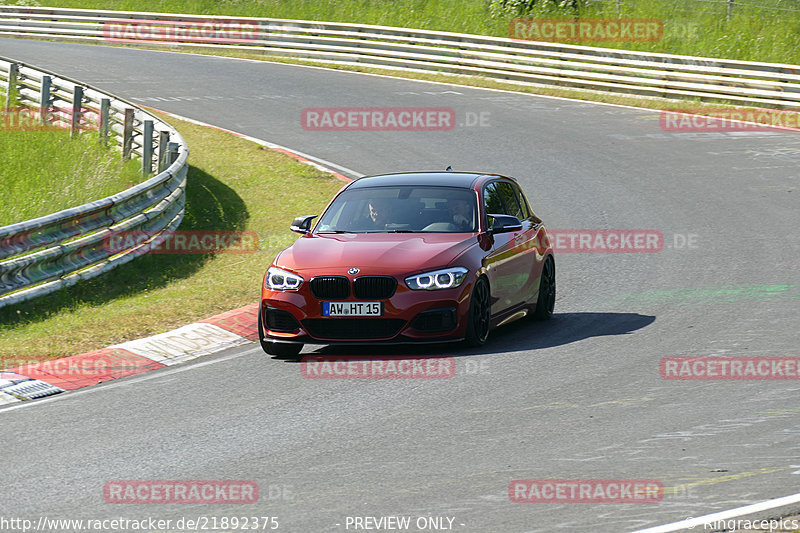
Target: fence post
127 134
173 153
11 90
105 107
730 10
44 99
163 141
147 148
77 105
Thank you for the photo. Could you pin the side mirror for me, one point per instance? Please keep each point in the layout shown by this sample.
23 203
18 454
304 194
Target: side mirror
504 223
302 224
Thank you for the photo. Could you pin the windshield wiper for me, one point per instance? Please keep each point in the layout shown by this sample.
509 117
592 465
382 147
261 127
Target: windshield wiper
335 231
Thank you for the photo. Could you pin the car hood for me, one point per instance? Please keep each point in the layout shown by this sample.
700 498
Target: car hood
378 253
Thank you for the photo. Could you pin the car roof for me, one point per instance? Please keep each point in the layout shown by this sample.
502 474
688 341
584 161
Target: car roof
465 180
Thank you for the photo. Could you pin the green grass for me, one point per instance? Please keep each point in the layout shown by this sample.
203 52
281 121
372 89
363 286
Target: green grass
42 172
692 27
233 184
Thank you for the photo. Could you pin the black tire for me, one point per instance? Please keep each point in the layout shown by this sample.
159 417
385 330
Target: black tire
480 314
283 350
547 292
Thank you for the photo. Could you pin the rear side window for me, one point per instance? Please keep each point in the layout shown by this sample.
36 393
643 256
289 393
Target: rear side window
508 195
526 210
504 198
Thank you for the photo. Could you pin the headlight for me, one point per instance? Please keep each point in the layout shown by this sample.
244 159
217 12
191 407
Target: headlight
281 280
438 279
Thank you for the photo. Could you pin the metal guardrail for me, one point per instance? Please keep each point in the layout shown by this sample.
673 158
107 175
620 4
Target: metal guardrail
528 62
44 254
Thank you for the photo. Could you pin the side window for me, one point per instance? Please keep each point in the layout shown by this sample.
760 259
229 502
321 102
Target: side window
491 200
509 196
523 204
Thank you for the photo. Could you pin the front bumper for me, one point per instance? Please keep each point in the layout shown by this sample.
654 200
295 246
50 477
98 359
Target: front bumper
408 317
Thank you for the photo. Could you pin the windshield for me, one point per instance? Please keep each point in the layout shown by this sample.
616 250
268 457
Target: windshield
401 209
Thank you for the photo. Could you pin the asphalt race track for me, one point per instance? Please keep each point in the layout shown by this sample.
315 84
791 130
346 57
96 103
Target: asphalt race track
579 397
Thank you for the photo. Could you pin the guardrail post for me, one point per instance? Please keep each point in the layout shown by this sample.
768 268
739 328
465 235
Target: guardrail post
173 153
147 148
105 107
127 134
11 90
163 141
44 99
77 105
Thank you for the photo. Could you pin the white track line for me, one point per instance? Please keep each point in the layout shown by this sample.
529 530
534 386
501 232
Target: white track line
691 523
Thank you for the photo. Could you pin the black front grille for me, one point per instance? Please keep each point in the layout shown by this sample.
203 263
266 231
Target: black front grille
435 320
374 287
353 328
330 287
280 320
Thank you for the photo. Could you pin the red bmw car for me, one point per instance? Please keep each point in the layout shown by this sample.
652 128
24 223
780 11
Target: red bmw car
412 257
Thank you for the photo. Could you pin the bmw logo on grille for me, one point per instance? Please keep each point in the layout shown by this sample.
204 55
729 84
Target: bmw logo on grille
353 271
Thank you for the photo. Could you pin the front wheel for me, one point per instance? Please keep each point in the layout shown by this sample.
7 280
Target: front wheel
277 349
480 314
547 292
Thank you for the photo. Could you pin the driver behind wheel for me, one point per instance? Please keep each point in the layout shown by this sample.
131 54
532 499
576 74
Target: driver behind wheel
461 213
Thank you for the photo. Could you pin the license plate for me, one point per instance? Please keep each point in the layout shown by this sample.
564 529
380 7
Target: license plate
352 309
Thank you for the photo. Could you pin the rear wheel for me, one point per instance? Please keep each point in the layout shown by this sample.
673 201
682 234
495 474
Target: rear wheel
278 349
547 292
480 314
